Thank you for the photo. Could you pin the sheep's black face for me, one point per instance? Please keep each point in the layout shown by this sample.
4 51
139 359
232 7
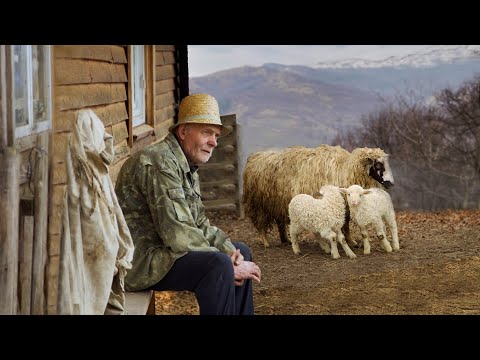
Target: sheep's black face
380 171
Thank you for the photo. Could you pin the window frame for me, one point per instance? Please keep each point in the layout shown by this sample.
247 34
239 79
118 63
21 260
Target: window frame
32 126
139 85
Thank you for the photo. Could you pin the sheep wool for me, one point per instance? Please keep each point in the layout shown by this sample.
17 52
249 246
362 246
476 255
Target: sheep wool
324 217
272 178
373 207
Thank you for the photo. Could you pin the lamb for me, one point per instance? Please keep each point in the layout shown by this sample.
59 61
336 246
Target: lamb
272 178
373 206
324 217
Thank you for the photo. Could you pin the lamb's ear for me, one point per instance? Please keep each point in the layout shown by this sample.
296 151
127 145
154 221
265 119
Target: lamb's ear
317 194
343 190
367 192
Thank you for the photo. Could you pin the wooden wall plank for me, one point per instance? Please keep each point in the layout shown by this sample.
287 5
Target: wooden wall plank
109 114
59 146
142 143
164 114
165 47
161 129
164 86
164 72
75 71
80 96
169 57
111 53
164 100
115 169
120 132
159 59
122 151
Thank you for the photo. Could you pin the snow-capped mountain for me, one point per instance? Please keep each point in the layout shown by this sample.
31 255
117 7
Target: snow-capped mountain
427 57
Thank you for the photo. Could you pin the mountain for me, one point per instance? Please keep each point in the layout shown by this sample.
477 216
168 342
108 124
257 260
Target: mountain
279 105
428 57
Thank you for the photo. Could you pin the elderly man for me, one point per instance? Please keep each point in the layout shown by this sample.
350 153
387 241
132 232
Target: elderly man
176 247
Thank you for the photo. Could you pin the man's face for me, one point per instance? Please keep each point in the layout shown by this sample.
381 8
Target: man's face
198 141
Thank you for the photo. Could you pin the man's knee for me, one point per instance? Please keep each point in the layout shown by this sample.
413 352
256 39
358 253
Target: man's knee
221 263
244 249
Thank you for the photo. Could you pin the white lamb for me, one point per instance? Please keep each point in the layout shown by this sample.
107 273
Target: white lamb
324 217
373 206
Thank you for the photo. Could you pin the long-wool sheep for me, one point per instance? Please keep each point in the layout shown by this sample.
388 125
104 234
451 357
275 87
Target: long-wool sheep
272 178
324 217
373 206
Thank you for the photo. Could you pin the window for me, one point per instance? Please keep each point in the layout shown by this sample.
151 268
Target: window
138 84
31 88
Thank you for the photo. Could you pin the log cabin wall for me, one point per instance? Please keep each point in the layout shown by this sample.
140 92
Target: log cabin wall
85 76
98 77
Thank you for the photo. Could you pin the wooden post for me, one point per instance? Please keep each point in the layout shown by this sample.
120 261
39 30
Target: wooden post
25 252
41 222
3 98
9 211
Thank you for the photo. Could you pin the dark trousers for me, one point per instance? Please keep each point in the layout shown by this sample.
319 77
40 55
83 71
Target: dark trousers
210 276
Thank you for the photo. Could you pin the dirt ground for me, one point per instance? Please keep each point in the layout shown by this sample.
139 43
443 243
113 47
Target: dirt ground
436 271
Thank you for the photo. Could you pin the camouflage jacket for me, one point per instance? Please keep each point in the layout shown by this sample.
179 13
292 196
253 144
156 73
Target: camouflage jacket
160 198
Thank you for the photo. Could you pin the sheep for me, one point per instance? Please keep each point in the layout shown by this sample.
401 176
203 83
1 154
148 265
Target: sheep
373 206
272 178
324 217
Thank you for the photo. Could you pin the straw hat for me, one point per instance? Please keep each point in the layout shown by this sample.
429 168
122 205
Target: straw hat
199 109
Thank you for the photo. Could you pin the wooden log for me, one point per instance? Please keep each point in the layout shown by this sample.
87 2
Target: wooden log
113 53
79 71
69 97
109 114
9 211
41 221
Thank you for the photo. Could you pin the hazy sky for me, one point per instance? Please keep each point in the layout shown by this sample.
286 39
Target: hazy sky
206 59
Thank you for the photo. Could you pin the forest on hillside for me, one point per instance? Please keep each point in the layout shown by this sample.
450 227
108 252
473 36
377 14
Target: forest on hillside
434 147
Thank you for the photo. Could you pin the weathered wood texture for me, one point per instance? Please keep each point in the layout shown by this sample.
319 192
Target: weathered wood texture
9 210
166 89
219 177
86 95
96 77
3 98
38 305
110 53
70 71
140 303
25 252
110 114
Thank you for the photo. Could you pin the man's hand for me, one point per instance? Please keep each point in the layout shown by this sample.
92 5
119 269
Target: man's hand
236 257
246 270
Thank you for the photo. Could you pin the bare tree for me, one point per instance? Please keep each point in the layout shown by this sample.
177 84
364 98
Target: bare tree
435 146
